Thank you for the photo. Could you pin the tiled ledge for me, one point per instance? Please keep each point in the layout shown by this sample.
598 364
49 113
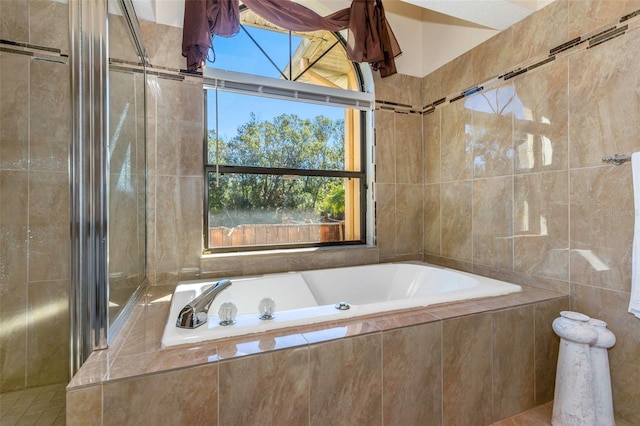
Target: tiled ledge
137 351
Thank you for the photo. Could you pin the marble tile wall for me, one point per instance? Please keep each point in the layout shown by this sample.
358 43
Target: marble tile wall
174 198
514 183
174 158
174 167
34 198
398 169
412 396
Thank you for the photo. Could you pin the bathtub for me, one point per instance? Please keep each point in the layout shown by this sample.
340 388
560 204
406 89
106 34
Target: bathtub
310 297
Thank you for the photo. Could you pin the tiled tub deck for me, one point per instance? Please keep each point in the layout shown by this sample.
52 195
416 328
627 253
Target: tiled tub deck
471 363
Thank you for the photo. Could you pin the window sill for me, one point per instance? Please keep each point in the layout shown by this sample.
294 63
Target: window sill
285 251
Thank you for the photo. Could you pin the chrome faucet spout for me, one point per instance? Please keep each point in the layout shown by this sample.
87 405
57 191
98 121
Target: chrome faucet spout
195 313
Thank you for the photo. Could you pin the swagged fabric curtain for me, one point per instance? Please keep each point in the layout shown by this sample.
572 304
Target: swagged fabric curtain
370 38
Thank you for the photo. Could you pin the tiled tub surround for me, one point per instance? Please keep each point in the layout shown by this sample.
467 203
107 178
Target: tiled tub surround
469 363
515 186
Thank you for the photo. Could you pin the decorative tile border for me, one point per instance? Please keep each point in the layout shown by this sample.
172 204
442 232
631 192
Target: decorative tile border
396 107
41 53
158 71
623 25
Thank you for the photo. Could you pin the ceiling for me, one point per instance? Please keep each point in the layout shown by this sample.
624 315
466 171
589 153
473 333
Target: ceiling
495 14
430 32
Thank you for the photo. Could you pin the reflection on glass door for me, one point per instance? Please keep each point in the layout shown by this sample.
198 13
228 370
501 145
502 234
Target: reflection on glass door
127 170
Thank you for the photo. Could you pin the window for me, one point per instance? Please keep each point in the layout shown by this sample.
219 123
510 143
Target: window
285 149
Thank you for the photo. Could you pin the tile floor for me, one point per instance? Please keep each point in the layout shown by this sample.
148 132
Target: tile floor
42 406
539 416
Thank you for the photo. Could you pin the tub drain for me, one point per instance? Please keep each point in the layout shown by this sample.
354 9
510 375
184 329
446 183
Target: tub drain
343 306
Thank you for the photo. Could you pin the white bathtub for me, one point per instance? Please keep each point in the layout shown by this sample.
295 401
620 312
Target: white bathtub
309 297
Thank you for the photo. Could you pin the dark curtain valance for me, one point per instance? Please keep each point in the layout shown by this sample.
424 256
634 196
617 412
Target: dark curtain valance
370 38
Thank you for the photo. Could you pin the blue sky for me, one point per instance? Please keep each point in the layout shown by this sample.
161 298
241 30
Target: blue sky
239 53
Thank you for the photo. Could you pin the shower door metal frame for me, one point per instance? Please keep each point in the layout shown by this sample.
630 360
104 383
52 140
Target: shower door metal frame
88 179
89 175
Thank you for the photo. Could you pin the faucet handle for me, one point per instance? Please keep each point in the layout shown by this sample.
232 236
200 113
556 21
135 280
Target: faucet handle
267 307
227 313
189 318
194 314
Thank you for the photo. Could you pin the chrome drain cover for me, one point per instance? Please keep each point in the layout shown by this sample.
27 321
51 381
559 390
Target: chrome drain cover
343 306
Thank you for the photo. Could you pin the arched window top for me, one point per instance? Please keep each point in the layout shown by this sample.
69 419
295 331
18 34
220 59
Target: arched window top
262 48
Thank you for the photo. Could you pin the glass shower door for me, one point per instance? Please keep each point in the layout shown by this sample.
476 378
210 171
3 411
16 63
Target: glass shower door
126 154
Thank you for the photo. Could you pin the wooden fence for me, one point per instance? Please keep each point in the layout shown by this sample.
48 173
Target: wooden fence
286 233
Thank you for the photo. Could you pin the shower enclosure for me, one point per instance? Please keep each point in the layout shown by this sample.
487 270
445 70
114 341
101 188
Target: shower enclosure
72 185
108 172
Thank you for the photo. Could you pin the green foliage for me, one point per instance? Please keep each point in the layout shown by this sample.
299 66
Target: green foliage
333 202
285 142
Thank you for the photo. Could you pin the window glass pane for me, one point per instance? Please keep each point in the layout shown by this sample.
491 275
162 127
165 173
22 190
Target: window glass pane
261 48
240 53
263 209
264 132
320 60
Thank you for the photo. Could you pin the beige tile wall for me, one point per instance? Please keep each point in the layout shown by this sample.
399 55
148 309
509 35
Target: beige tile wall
34 199
279 379
399 171
514 183
412 395
175 240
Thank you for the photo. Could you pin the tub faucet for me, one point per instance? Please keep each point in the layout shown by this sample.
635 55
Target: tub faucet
195 313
